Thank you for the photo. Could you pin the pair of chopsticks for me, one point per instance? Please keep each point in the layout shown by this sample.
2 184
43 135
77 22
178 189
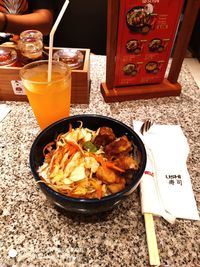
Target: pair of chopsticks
154 258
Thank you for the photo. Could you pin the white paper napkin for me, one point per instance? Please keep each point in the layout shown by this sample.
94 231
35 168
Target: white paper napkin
166 188
4 110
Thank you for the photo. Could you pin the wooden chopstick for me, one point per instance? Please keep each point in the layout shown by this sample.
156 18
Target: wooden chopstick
154 258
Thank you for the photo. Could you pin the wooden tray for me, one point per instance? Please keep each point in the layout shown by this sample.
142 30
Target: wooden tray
80 82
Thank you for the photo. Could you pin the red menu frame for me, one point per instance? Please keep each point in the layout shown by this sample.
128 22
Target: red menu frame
146 32
169 86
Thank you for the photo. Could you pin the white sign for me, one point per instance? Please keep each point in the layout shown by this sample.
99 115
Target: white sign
18 87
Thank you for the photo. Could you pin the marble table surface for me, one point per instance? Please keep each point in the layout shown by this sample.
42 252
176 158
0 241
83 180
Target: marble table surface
40 235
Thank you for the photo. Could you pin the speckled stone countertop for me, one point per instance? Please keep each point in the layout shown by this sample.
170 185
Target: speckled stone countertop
43 236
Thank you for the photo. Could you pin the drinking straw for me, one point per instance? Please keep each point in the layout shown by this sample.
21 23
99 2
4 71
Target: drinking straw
62 11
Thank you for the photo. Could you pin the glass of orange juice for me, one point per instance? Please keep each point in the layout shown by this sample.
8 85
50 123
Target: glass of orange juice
50 101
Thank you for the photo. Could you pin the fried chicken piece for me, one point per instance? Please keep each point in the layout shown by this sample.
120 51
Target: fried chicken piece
104 137
116 187
126 163
107 175
120 145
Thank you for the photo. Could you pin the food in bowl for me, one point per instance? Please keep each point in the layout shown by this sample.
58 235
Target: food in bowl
82 205
130 69
86 163
133 46
138 20
152 67
137 17
156 45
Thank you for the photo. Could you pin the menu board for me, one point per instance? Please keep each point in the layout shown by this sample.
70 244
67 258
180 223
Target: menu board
146 32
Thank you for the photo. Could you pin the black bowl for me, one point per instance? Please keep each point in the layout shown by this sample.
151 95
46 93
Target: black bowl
81 205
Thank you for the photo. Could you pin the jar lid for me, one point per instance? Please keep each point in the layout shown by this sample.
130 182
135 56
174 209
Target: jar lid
72 57
7 56
31 36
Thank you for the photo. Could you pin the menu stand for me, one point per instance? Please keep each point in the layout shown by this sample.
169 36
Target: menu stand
169 86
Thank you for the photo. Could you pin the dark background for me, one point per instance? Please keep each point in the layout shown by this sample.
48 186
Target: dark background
84 25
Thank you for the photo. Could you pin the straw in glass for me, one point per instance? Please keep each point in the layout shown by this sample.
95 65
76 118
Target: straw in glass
51 38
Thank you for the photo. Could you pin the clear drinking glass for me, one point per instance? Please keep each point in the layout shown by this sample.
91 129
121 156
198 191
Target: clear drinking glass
50 101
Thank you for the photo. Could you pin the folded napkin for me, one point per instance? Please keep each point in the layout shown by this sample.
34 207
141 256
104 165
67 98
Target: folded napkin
166 188
4 110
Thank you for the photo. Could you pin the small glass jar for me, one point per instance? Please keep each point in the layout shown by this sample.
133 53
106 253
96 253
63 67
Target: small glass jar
8 57
72 57
30 45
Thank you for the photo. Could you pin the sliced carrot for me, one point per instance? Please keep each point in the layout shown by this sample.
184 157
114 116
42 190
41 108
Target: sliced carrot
99 159
105 164
70 128
111 165
75 145
66 148
47 146
72 151
58 137
66 163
